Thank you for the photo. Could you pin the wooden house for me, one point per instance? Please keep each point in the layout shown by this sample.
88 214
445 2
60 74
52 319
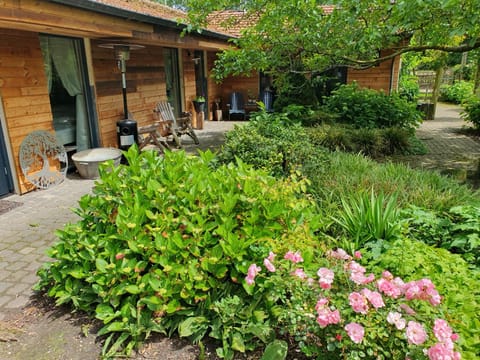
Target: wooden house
59 72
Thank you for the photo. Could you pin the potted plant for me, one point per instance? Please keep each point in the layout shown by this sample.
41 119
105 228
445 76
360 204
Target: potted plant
199 103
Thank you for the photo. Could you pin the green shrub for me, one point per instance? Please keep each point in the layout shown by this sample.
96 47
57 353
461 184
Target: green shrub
397 141
408 88
457 229
471 112
366 108
459 286
161 240
367 141
458 93
371 142
271 142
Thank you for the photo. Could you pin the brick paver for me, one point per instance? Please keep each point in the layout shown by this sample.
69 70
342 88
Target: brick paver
448 149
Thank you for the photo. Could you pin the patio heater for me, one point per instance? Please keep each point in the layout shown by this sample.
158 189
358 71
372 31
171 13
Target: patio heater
127 131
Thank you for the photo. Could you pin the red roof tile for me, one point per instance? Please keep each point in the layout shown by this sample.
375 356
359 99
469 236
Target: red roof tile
145 7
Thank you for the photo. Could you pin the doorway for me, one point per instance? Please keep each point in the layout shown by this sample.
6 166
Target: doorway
6 183
172 79
65 68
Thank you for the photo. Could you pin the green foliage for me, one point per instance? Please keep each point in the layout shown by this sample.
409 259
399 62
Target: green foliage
274 143
471 112
366 108
457 230
371 142
298 37
368 218
345 175
458 93
409 88
458 285
161 240
294 89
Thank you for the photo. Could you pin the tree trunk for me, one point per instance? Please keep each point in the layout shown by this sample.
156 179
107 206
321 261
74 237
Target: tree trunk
476 86
436 87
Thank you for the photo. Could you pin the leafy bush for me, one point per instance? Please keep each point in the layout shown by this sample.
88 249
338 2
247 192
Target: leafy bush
471 112
162 240
366 108
458 93
409 88
457 230
273 143
371 142
458 285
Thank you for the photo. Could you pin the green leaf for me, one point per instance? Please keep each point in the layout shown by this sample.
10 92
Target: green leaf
192 325
276 350
101 265
238 342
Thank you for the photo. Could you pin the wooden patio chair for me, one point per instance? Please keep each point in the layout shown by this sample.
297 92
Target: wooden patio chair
180 126
155 134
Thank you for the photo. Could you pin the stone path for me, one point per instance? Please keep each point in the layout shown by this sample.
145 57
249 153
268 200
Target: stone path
449 149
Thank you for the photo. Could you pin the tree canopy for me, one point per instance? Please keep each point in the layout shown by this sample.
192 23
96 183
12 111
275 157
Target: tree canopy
314 35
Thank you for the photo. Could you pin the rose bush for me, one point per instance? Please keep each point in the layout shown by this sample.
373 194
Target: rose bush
345 313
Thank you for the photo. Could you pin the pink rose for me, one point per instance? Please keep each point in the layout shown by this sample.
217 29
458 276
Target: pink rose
299 273
293 257
271 256
268 264
389 288
357 255
253 270
415 333
326 278
441 351
355 332
395 318
374 297
339 254
442 330
358 302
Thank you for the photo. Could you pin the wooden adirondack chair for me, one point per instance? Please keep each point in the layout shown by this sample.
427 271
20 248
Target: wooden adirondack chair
180 126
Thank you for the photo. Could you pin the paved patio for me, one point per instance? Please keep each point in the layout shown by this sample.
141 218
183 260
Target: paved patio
26 231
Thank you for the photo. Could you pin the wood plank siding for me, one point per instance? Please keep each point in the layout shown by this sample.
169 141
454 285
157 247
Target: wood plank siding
382 77
24 92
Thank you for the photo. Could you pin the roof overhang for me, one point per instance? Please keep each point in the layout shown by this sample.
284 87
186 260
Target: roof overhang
106 9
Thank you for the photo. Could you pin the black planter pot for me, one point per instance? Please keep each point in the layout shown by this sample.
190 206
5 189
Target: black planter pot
199 106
